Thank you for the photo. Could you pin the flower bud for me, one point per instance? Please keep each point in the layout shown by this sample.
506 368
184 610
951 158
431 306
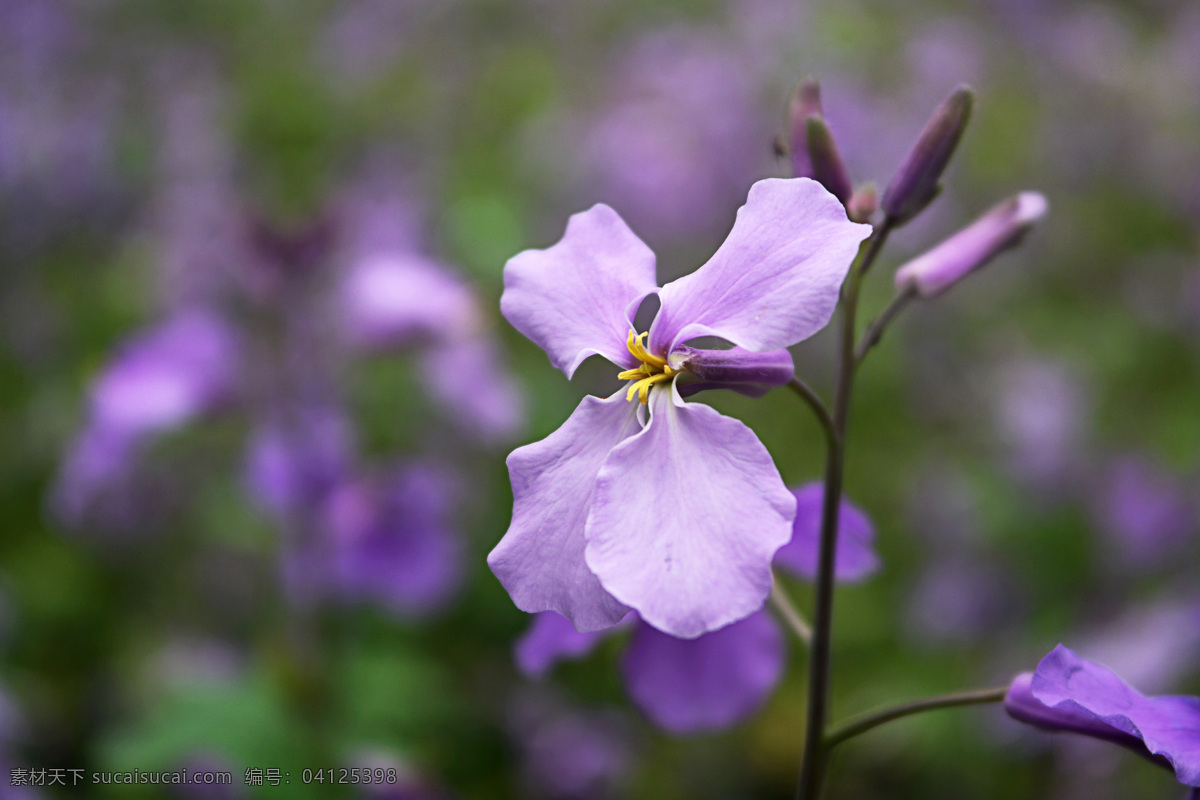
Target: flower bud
936 271
863 203
918 180
805 102
827 166
741 370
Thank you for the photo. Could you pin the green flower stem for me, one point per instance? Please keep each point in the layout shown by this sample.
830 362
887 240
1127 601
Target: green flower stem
814 402
875 329
871 719
790 615
815 752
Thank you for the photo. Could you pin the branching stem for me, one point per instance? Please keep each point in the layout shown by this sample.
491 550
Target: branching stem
872 719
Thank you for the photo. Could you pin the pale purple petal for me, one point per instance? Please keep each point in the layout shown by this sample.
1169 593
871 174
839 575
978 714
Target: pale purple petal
1084 697
470 379
550 639
775 280
706 683
166 376
540 560
576 299
686 518
398 299
856 557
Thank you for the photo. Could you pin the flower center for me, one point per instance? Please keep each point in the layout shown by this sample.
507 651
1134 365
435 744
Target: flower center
652 370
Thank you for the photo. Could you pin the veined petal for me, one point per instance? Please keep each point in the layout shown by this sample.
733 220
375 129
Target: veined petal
711 682
686 517
775 280
575 299
540 560
856 558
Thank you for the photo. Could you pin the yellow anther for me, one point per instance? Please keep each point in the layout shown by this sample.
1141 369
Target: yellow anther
638 350
634 374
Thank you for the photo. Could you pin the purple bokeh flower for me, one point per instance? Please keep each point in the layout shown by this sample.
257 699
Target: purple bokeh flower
718 679
681 134
1069 693
159 380
393 543
1146 514
387 540
679 516
394 298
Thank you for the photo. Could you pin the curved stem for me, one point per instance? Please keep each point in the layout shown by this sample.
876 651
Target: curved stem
871 719
788 612
814 402
875 329
812 768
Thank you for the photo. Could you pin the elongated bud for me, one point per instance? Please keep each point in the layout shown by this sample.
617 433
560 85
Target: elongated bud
918 180
805 102
936 271
741 370
863 203
827 166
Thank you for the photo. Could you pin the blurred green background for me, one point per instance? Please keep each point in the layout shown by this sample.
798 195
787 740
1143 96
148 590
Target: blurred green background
1028 445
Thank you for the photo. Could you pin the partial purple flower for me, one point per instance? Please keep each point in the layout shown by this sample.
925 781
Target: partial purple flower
1003 227
856 557
707 683
677 516
712 681
1069 693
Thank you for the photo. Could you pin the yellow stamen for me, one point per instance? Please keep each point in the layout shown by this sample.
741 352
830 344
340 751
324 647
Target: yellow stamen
642 387
638 350
651 371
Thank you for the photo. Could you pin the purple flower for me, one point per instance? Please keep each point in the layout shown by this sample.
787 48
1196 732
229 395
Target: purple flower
718 679
392 543
1068 693
677 516
856 558
918 181
1003 227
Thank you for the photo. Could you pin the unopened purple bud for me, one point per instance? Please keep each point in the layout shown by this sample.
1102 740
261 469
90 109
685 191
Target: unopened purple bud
805 103
937 270
918 180
743 371
863 203
827 166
